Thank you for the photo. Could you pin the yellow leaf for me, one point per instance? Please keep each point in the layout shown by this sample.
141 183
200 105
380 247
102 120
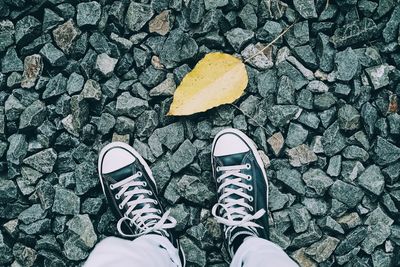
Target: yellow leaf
216 79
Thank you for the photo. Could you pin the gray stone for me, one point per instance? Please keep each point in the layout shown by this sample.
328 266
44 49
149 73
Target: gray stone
144 150
146 123
279 115
385 152
316 206
330 225
26 29
24 255
332 140
301 258
88 13
292 179
267 82
7 33
324 101
72 249
309 119
8 191
325 53
369 116
239 38
82 226
137 16
389 32
394 123
355 153
182 44
194 190
350 220
33 115
317 180
42 161
171 135
317 87
344 192
56 86
32 214
75 83
298 34
354 238
323 249
306 8
295 71
130 106
348 118
91 90
65 202
65 35
296 135
379 75
92 206
106 123
53 56
11 62
355 32
182 157
194 255
306 55
380 258
376 235
312 235
249 17
50 20
378 216
276 200
300 218
86 177
286 91
17 149
301 155
334 167
347 64
151 77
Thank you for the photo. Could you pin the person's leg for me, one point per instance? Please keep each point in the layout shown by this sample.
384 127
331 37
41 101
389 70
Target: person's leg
256 252
147 251
243 201
131 192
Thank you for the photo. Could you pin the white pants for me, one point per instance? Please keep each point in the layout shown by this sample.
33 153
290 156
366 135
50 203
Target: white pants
157 251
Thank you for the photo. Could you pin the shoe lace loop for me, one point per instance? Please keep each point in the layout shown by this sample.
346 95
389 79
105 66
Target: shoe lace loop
234 211
140 212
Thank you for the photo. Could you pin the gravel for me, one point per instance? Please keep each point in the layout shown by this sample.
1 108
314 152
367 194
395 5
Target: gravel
323 102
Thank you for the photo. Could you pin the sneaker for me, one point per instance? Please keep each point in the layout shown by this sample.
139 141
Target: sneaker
131 191
242 188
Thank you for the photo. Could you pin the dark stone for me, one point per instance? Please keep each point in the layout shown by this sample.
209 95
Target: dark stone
348 194
385 152
11 62
130 106
26 29
8 191
332 140
33 116
53 56
325 53
298 34
239 38
292 179
359 31
354 238
65 202
348 118
17 149
306 8
182 157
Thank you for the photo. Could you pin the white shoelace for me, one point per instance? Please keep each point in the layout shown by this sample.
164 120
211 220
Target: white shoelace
234 211
146 219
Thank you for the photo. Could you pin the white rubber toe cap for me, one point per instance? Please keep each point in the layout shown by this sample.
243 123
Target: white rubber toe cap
228 144
116 158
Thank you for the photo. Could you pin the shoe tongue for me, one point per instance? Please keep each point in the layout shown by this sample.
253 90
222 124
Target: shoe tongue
122 173
233 159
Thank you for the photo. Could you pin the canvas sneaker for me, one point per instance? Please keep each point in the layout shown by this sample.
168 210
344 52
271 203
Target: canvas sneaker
242 188
131 191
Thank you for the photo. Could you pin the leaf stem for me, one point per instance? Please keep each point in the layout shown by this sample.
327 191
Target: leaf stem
271 43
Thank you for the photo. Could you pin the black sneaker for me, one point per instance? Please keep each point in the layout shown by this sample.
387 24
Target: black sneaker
131 191
242 188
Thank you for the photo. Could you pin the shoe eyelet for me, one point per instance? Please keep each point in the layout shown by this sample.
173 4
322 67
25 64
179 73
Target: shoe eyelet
144 184
251 209
248 166
139 174
117 197
249 178
251 199
218 180
120 207
150 193
218 169
250 188
112 187
159 211
155 202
